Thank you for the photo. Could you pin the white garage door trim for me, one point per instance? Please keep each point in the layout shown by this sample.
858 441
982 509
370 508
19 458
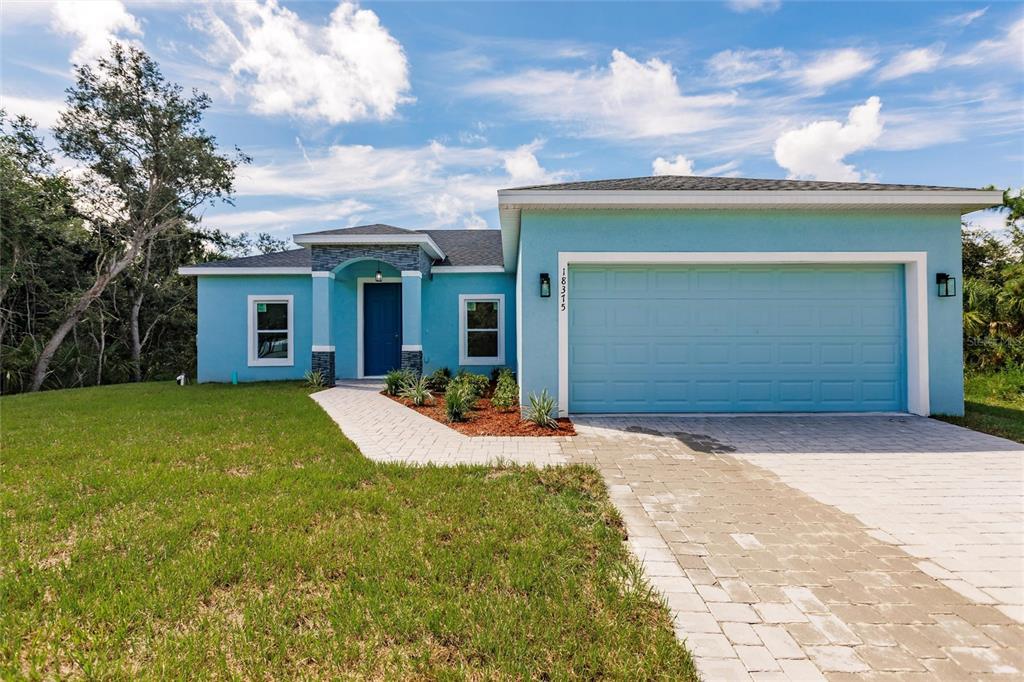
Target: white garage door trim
915 271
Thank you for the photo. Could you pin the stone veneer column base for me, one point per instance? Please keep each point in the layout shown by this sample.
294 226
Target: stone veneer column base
413 360
323 361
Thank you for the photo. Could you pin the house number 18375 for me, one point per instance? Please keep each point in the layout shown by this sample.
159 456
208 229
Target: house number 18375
563 288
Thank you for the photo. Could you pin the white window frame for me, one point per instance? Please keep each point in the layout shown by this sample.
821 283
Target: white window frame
254 360
464 358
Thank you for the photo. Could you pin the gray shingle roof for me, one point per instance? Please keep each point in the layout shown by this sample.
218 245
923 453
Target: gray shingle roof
468 247
294 258
704 184
377 228
462 247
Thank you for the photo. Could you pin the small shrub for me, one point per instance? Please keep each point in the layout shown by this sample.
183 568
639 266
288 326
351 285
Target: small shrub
506 393
438 379
458 401
477 383
396 380
315 379
540 409
417 392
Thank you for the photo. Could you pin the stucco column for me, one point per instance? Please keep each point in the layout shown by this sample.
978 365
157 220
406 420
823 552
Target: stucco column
412 320
323 339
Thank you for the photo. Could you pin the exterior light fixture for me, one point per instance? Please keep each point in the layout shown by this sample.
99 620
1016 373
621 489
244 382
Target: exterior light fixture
946 285
378 276
545 285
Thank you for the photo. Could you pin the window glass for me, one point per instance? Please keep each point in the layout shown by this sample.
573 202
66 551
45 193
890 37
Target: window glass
271 345
272 316
482 344
481 315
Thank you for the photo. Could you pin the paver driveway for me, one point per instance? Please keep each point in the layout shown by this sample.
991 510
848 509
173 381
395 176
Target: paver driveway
810 546
790 547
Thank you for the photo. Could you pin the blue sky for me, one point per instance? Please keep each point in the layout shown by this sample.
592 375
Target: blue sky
414 114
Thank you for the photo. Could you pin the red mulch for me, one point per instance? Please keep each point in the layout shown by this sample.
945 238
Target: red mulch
485 420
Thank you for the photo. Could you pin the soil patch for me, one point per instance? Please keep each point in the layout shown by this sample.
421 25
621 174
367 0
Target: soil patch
486 420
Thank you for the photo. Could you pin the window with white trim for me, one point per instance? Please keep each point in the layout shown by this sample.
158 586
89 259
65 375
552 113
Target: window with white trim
482 329
271 331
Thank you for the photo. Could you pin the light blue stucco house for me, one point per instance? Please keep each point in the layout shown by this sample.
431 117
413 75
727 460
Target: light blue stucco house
645 295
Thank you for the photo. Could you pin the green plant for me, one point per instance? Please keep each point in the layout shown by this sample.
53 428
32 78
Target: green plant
315 378
477 383
506 393
438 379
540 409
396 380
458 400
418 392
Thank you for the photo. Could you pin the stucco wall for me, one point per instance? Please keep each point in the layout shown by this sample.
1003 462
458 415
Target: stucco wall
441 317
545 233
222 339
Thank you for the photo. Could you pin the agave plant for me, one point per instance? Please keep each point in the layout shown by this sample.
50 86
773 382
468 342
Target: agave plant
418 392
315 378
540 408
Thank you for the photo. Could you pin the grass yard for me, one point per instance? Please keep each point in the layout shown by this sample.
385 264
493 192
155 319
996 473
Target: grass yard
158 531
994 403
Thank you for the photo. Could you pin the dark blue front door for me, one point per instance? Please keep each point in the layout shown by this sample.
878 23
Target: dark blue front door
382 328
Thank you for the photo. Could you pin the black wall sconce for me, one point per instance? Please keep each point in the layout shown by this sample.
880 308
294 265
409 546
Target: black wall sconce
946 284
545 285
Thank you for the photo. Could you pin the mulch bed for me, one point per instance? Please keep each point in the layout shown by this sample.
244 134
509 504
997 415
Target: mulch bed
485 420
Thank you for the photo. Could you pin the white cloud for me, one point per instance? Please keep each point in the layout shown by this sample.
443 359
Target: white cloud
920 60
43 111
816 151
754 5
835 66
95 25
966 18
433 185
628 99
736 67
1008 47
351 69
347 210
677 166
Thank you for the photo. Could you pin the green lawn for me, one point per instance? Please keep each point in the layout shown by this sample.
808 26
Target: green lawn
994 403
158 531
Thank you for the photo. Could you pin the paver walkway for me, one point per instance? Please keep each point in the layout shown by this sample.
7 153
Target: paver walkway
387 431
789 547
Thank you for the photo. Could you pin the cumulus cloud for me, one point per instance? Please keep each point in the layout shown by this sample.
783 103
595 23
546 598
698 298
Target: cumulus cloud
754 5
920 60
835 66
94 24
347 210
628 99
817 150
351 69
737 67
432 185
677 166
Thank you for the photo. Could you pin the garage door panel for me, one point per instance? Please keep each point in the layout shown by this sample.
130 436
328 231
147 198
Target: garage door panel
702 342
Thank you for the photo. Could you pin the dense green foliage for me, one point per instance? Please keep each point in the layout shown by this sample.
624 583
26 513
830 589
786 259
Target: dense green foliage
993 292
88 266
396 380
438 379
156 531
417 391
476 384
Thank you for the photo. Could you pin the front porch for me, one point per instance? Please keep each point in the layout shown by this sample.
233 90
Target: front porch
367 303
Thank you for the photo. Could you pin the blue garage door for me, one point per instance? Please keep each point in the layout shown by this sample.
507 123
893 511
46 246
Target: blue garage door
736 338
